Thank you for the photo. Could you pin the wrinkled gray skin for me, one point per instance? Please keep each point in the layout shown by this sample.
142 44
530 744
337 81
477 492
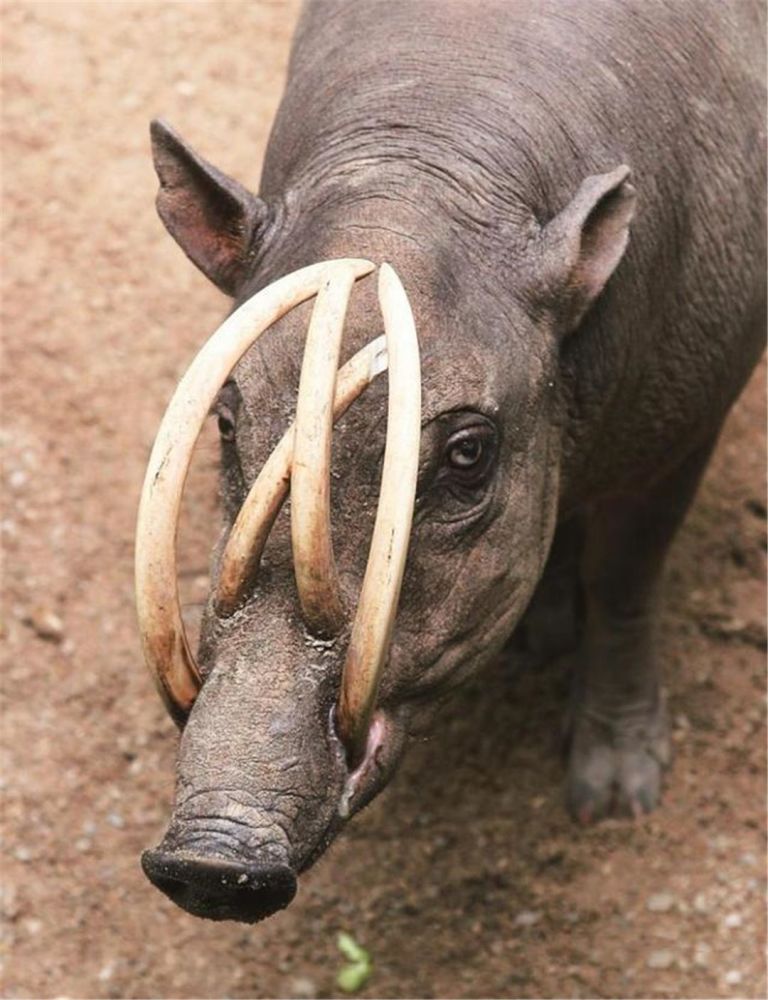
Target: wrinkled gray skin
584 330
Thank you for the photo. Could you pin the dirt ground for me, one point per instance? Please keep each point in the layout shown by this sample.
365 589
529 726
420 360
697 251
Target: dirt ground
465 879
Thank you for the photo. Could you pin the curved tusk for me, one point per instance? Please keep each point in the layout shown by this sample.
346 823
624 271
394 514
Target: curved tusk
317 579
163 638
245 545
374 620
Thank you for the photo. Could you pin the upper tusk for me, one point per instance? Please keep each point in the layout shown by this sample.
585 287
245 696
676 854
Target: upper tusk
242 555
163 637
317 579
374 620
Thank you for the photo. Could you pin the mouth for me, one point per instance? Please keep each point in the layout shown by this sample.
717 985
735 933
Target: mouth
372 771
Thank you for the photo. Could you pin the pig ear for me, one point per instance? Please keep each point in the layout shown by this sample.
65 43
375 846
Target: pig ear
585 242
213 218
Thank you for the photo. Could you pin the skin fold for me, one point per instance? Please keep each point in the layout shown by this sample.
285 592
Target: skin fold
572 193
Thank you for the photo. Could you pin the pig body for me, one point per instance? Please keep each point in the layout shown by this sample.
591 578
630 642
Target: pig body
573 194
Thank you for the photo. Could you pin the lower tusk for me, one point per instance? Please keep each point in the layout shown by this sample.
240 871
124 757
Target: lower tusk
163 638
245 546
374 620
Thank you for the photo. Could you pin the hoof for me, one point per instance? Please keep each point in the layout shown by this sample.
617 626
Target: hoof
615 764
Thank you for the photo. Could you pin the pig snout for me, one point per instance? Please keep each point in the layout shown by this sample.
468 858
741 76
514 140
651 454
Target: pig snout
218 889
223 862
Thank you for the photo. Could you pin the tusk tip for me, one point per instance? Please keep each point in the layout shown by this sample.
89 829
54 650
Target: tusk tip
389 281
358 265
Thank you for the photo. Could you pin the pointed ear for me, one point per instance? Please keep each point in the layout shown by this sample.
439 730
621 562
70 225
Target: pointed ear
584 243
213 218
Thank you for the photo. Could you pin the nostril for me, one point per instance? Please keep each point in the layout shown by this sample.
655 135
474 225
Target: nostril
220 889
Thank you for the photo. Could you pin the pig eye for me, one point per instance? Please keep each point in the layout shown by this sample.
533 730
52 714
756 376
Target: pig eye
470 454
226 421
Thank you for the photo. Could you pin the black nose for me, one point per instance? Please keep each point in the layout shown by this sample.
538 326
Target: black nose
219 889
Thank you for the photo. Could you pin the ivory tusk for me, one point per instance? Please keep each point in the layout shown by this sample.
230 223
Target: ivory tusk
317 579
163 637
245 545
374 620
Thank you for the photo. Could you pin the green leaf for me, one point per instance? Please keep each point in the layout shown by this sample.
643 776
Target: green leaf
353 976
355 973
351 950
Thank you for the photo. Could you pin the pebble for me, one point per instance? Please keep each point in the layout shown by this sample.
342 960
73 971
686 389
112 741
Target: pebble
23 854
185 88
9 903
732 977
527 918
303 988
732 920
660 902
116 820
106 972
46 624
660 959
701 955
701 903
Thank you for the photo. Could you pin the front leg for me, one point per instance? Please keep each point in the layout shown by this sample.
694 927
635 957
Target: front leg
618 735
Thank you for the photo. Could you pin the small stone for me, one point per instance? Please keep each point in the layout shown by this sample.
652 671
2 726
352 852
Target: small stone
46 624
701 903
185 88
732 920
17 479
527 918
660 902
106 972
33 925
23 854
116 820
660 959
701 955
303 988
83 844
9 903
732 977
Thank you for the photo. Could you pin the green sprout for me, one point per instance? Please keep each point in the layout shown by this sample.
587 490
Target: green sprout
354 975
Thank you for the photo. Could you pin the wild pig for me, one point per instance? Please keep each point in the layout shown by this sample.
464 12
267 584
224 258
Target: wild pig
572 194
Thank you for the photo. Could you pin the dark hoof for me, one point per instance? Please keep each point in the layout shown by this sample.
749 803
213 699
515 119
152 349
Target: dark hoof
615 763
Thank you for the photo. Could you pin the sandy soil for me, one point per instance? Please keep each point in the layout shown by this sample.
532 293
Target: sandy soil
465 879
